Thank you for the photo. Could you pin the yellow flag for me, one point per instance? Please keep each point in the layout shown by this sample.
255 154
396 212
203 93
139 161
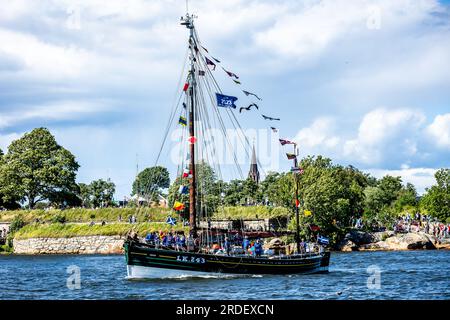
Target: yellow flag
307 213
178 206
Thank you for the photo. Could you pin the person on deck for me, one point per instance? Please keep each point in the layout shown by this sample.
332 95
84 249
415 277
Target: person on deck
165 241
170 240
182 240
258 248
149 238
245 244
156 239
227 246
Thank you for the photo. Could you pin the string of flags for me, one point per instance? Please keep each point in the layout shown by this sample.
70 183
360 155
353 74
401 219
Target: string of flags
230 101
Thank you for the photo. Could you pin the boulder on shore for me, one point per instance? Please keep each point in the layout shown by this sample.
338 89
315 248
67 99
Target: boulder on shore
359 237
347 245
407 241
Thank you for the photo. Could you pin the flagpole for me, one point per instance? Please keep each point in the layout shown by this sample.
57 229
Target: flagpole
297 203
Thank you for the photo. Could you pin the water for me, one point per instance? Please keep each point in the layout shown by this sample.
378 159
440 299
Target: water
404 275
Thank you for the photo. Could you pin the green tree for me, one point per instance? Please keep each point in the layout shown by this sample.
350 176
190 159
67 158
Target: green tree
233 192
36 167
407 199
268 187
391 187
102 193
85 194
150 181
436 200
374 201
250 190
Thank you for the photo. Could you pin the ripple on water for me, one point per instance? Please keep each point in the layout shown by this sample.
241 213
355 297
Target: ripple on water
405 275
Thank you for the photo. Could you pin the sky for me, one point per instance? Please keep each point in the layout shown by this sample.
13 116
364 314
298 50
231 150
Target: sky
365 83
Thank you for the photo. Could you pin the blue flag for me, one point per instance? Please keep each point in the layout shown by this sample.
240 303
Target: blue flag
323 240
183 190
225 101
172 221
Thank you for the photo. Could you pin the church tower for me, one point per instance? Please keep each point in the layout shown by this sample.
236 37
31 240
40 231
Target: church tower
254 173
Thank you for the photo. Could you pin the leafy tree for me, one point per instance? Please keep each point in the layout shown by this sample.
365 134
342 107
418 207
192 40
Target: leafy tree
436 200
36 167
391 187
374 201
84 194
250 190
268 187
150 181
407 198
233 192
102 193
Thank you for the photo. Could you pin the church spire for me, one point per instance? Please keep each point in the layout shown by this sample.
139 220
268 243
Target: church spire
254 172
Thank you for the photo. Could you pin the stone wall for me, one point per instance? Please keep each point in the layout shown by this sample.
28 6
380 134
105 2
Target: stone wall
75 245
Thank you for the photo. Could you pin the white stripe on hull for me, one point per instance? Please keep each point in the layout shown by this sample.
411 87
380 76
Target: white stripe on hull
140 272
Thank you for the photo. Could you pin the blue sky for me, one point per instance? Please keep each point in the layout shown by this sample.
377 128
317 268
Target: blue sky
366 83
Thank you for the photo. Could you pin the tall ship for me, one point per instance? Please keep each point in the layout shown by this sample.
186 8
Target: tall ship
205 250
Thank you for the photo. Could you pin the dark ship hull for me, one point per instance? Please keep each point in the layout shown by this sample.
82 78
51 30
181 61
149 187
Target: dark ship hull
145 261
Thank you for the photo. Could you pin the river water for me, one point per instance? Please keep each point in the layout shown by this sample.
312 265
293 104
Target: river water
354 275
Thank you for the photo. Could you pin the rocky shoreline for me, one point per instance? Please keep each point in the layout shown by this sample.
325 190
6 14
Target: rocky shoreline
390 241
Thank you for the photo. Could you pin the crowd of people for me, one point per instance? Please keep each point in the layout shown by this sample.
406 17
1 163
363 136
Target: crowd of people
422 223
414 223
233 244
168 240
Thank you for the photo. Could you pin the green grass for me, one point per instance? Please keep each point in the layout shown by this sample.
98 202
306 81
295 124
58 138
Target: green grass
84 215
253 212
57 230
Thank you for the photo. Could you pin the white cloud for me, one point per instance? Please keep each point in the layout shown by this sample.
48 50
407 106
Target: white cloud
308 29
382 130
62 110
439 130
43 59
386 138
319 134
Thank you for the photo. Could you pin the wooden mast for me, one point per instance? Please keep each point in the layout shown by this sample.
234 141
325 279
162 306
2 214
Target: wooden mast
188 21
297 202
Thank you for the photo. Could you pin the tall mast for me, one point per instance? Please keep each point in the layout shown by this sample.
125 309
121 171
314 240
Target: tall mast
188 21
